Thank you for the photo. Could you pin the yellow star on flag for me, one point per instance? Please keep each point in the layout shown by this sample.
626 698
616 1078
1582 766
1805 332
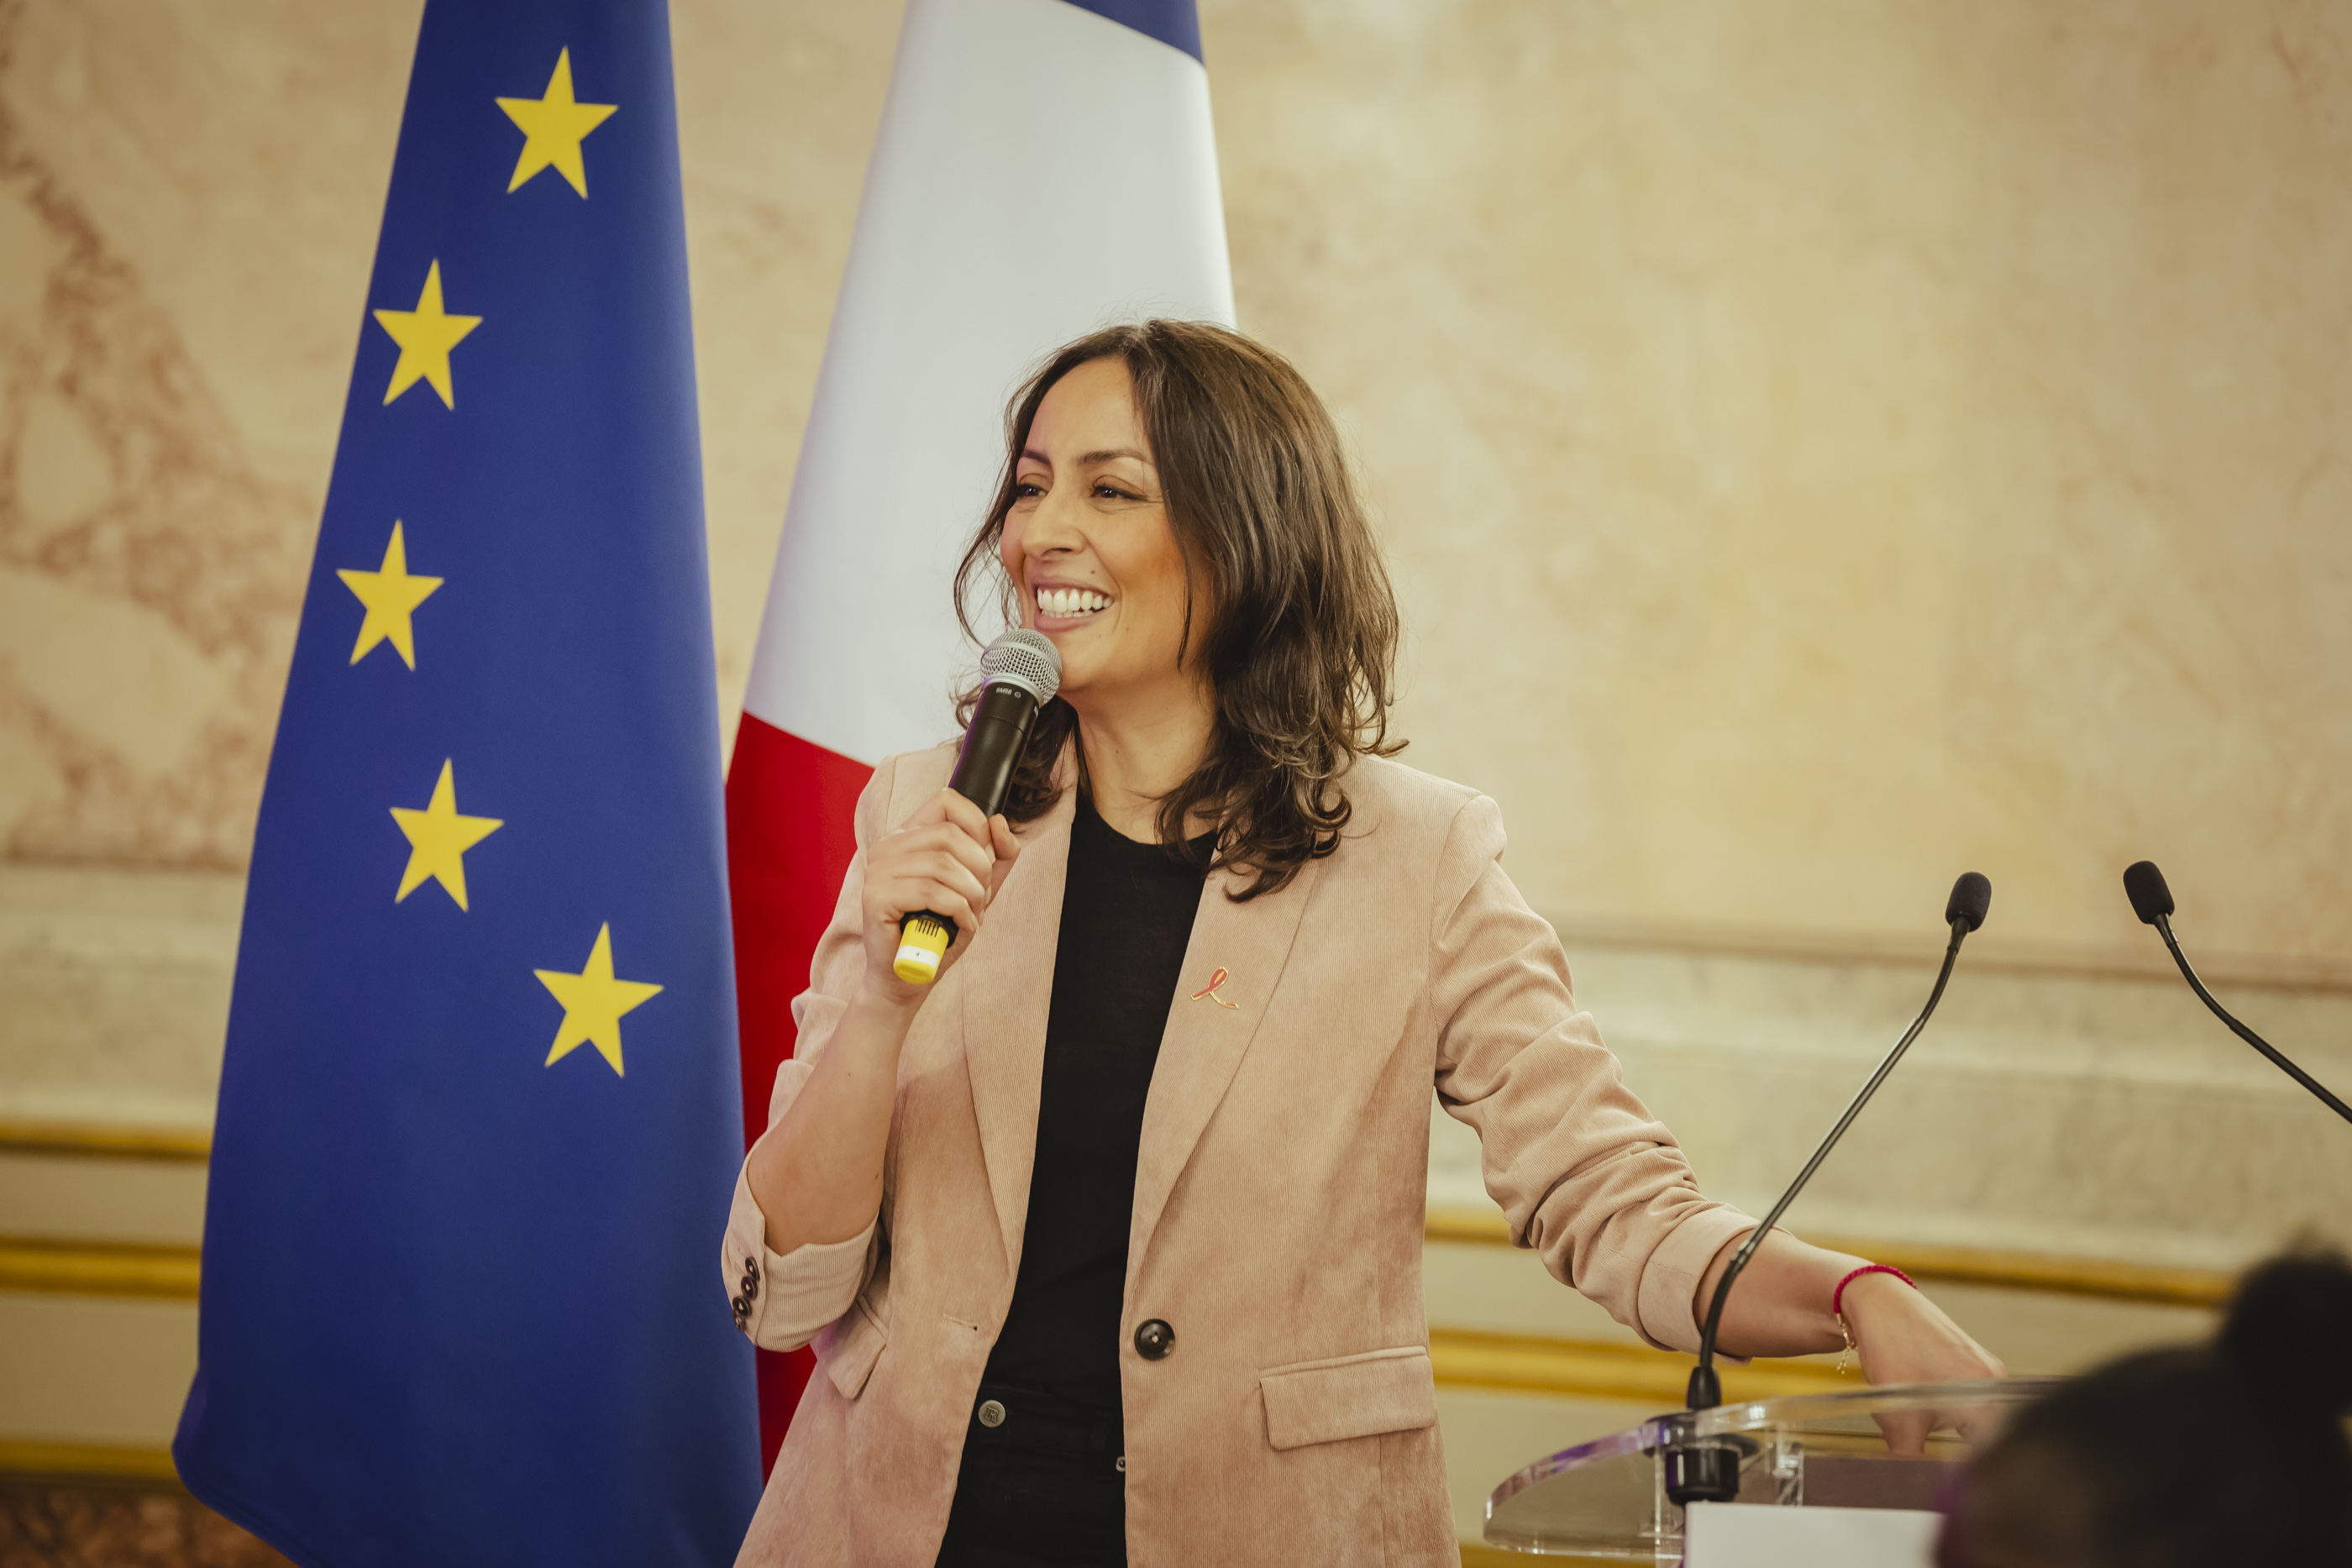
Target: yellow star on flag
390 596
593 1003
426 336
438 839
552 127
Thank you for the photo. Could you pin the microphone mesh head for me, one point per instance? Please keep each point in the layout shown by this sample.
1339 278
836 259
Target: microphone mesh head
2144 885
1025 659
1971 899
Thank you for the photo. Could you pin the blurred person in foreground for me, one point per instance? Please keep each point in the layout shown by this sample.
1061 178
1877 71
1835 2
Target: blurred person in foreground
2230 1453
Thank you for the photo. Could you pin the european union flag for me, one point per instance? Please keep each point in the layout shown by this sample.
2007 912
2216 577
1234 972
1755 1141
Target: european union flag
479 1120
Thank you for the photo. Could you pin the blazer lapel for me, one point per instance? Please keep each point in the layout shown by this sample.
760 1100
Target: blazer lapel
1231 966
1007 992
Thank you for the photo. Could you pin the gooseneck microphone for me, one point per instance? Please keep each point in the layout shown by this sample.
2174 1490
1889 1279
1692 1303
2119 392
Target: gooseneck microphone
1020 673
1707 1471
2152 902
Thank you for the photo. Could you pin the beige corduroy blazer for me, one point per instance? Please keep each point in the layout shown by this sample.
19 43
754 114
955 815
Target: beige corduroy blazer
1279 1196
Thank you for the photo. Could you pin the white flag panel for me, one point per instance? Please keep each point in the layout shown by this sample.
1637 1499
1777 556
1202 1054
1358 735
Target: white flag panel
1040 171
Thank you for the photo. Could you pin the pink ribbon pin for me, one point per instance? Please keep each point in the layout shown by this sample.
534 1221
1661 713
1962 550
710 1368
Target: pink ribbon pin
1209 992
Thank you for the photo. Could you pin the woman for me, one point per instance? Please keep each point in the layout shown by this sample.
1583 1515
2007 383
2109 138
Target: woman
1110 1241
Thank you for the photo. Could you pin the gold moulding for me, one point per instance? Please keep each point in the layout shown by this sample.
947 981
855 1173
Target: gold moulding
1581 1369
1953 1265
78 1268
188 1145
86 1462
1957 1265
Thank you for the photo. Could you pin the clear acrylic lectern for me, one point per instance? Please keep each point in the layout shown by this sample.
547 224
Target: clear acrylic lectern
1608 1499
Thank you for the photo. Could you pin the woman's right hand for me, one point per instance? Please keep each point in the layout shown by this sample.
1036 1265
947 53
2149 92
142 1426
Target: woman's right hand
948 859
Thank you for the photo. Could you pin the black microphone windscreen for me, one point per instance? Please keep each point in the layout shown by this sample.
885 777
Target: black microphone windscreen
1972 898
2144 885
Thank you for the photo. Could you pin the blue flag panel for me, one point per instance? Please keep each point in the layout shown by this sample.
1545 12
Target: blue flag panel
478 1118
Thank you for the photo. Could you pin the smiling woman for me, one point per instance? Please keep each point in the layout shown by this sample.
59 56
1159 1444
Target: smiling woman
1210 963
1259 595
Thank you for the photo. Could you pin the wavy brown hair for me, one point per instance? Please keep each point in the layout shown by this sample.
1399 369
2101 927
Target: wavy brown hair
1300 646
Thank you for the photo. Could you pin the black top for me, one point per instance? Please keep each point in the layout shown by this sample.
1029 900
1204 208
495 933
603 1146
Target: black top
1127 915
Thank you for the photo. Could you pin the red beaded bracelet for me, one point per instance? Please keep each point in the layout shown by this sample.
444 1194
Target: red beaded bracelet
1837 1302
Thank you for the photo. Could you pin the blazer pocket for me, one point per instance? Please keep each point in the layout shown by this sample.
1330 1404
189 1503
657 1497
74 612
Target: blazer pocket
850 1345
1349 1396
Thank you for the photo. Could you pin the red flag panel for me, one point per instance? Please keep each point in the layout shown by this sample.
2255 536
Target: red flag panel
790 810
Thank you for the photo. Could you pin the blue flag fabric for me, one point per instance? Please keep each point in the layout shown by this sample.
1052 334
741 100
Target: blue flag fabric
478 1117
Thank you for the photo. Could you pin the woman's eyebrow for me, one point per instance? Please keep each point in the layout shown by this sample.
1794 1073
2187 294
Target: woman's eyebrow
1030 455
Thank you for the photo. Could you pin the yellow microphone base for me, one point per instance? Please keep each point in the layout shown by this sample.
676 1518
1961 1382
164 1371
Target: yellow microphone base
923 941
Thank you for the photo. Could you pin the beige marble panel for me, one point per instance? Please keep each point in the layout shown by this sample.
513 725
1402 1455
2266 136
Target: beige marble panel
115 988
183 264
1821 448
2087 1117
1831 446
85 1369
78 1197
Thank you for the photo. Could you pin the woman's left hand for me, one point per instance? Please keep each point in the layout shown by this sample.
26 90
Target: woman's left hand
1904 1337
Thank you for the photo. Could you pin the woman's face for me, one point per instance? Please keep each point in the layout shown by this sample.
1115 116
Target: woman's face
1087 544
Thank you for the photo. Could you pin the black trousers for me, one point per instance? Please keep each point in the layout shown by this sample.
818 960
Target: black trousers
1043 1485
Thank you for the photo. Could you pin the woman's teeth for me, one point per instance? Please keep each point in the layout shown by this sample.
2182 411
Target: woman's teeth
1069 603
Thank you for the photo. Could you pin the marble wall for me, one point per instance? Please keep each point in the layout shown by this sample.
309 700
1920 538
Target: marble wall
1821 449
1831 446
188 196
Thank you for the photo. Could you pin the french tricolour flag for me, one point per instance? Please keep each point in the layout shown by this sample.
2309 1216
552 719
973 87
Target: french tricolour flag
1045 167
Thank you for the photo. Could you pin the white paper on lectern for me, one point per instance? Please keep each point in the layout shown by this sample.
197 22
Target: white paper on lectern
1746 1535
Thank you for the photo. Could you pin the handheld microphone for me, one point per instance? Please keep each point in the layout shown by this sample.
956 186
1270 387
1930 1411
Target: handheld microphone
1020 673
2152 902
1702 1470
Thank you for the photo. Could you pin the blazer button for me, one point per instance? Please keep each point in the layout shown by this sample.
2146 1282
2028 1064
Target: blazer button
1154 1339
